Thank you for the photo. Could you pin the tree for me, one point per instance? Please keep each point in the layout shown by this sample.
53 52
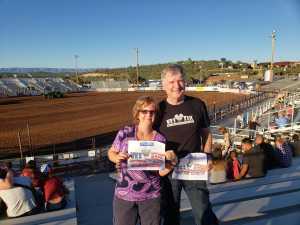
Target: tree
223 60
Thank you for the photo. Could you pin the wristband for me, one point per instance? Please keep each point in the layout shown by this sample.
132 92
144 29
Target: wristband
209 156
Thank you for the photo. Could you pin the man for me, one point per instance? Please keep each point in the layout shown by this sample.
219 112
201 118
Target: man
253 161
296 145
184 121
252 127
271 156
282 120
285 152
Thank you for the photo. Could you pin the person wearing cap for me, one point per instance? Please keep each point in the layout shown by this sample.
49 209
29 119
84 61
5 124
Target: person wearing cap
53 189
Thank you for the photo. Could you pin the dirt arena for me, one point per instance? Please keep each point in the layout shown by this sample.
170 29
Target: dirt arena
75 117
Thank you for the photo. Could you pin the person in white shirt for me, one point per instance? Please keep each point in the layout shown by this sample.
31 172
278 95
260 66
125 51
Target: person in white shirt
18 200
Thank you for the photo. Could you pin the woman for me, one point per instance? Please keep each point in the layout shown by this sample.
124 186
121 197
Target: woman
218 172
33 173
233 166
227 141
137 193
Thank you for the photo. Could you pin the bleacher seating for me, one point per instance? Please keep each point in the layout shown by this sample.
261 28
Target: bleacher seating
254 201
66 216
35 86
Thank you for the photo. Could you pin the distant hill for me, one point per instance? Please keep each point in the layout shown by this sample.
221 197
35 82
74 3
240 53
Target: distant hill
34 70
197 71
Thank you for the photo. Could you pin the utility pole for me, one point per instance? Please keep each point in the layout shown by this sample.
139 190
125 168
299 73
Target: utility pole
76 67
200 67
137 66
273 36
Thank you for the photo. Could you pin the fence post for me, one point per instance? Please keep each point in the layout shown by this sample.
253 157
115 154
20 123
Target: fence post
234 128
20 145
29 138
292 118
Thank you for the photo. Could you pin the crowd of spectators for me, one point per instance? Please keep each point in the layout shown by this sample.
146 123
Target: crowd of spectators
32 191
253 159
256 154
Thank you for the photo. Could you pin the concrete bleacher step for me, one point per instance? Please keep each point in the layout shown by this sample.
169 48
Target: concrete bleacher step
273 176
257 207
238 195
274 198
66 216
255 210
290 216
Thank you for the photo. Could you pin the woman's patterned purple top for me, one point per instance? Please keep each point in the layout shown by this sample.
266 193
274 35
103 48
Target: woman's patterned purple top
134 185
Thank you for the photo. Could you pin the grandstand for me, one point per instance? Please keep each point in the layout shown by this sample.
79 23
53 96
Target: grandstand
110 85
264 113
35 86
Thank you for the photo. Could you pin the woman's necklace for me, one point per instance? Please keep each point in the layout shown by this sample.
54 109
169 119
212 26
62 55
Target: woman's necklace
145 137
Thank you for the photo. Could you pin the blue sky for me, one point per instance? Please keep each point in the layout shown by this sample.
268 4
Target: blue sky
48 33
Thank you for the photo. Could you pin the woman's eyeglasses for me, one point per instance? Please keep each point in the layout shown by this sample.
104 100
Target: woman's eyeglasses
151 112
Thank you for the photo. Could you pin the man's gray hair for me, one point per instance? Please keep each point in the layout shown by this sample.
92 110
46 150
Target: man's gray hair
173 68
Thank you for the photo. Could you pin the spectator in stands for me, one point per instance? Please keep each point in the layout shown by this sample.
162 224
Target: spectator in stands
137 193
19 201
252 162
227 141
284 150
55 192
282 120
271 156
252 124
295 144
218 172
8 166
239 120
233 167
297 116
290 111
33 173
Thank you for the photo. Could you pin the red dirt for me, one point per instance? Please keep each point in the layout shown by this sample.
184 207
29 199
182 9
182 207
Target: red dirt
76 116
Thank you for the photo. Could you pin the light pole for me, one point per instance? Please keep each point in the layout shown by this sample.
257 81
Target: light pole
137 66
76 67
200 67
273 48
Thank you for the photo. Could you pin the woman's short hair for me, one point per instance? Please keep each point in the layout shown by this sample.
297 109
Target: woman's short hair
140 103
173 68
